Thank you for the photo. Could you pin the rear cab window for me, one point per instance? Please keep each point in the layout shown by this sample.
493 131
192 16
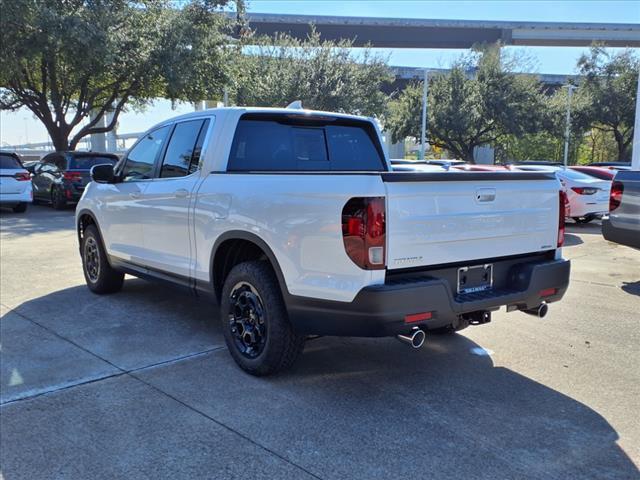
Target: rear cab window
9 162
280 142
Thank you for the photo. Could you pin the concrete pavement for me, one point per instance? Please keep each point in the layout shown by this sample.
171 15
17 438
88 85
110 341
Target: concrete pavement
140 385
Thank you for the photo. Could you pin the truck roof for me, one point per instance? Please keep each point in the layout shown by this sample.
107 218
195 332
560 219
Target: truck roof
225 110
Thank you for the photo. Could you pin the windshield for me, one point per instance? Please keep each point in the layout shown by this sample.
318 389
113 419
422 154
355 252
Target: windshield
9 161
85 162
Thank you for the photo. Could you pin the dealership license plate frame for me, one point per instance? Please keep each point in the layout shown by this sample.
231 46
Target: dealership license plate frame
475 278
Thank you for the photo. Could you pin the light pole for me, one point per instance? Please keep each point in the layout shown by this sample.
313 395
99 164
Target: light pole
567 131
423 132
635 155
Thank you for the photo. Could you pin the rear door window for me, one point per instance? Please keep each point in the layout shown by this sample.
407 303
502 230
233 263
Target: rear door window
284 144
9 162
180 151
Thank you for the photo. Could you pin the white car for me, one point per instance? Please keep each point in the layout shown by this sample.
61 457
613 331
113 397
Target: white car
15 183
294 223
588 196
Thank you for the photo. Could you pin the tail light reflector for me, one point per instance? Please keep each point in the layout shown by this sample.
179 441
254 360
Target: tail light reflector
547 292
562 200
364 232
22 176
417 317
72 176
615 197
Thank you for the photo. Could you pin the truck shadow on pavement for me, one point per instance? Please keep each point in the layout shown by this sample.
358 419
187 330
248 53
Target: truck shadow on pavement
631 287
350 408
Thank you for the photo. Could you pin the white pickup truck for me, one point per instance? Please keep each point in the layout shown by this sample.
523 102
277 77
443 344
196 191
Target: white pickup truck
295 223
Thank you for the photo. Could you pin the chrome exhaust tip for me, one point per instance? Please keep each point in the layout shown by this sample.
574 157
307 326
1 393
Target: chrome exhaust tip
415 340
540 311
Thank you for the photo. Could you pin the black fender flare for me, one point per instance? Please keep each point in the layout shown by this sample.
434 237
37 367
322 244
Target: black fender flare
260 243
89 213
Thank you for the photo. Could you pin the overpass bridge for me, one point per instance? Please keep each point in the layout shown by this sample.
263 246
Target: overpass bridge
405 75
432 33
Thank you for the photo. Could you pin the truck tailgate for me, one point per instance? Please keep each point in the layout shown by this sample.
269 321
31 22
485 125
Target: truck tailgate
451 217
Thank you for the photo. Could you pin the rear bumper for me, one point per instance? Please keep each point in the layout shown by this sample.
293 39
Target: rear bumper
622 232
14 198
379 310
582 209
73 192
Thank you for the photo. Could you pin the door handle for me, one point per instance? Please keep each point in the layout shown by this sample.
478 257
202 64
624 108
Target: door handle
181 193
134 195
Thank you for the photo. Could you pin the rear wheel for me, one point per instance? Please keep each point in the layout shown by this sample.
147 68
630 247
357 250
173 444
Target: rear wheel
20 208
57 199
255 324
99 275
585 219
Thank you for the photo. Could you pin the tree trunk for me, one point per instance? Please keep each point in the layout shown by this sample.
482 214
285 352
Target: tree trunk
59 139
468 154
622 146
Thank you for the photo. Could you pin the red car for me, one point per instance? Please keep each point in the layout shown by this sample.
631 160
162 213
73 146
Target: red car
597 172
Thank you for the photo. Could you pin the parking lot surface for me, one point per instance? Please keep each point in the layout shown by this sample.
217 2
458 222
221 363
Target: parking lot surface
139 384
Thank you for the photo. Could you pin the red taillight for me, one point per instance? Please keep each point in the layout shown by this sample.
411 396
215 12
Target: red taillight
562 200
72 176
615 197
22 176
364 231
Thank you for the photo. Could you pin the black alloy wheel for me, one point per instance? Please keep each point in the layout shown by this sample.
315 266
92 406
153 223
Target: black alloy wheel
247 320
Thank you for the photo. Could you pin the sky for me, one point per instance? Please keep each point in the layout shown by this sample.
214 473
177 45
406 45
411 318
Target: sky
22 127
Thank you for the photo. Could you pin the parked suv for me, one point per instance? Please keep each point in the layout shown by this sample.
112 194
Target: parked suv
61 177
295 224
15 183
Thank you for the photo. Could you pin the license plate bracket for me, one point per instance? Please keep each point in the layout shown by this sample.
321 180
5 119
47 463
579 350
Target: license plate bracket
476 278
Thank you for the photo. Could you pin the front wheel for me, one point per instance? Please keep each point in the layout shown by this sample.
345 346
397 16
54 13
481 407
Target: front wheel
255 324
99 275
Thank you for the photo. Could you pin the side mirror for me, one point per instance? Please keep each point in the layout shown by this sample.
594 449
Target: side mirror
103 173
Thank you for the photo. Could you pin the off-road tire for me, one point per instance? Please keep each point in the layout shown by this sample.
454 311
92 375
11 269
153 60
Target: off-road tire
282 344
105 279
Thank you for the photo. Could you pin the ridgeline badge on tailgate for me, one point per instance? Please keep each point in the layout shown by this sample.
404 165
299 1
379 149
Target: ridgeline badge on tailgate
406 260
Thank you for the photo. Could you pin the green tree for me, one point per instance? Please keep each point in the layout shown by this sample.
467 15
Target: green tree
324 75
478 102
72 61
548 142
610 81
